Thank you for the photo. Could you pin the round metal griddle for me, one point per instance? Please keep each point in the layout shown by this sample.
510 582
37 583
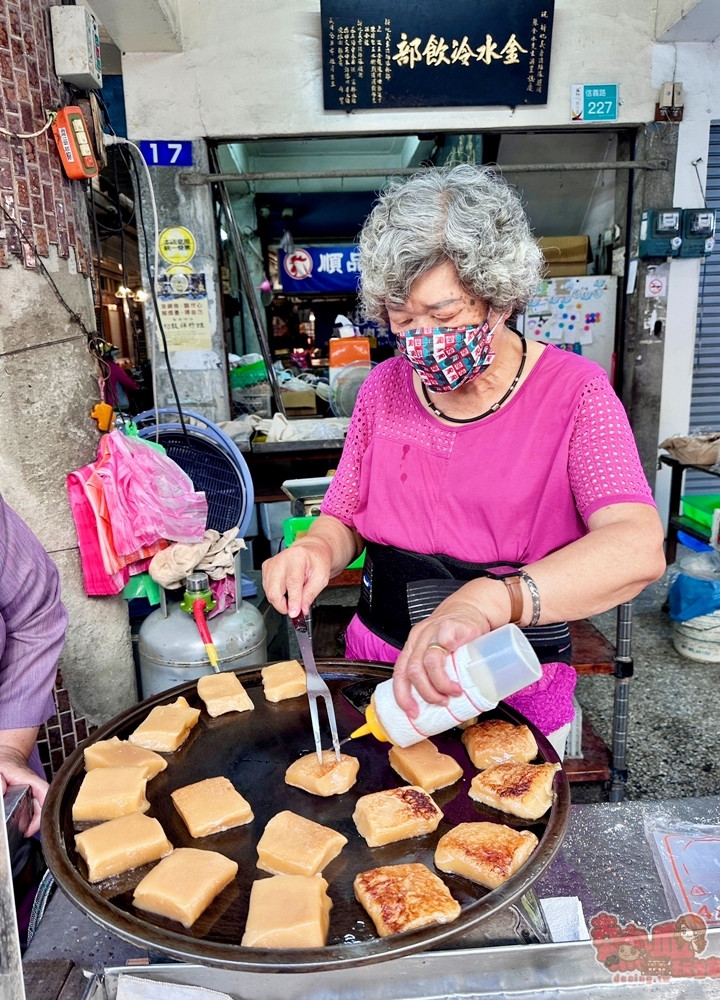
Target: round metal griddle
254 749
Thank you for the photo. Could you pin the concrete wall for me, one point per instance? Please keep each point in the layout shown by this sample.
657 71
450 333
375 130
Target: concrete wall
200 375
48 385
252 69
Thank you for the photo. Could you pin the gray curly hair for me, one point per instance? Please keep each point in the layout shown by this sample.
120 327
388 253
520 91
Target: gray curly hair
465 214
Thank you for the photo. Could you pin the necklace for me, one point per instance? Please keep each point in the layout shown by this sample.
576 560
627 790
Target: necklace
493 408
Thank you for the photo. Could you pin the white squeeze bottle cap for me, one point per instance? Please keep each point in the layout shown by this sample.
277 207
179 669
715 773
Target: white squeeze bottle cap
500 663
487 669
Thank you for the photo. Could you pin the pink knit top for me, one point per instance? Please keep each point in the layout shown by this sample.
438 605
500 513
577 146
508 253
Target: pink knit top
513 487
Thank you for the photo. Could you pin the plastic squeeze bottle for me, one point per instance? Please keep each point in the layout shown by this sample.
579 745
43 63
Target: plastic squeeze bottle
487 669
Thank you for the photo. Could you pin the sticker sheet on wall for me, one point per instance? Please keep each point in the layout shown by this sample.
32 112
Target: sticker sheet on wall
577 314
569 310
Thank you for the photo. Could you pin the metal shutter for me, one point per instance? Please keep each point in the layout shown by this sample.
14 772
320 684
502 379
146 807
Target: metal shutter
705 406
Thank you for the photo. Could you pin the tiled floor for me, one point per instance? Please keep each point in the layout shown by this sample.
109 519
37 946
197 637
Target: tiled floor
674 731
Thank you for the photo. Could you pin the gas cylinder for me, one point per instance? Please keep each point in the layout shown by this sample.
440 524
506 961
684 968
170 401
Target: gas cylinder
171 650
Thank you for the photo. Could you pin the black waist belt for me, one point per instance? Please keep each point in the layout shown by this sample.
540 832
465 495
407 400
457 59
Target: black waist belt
401 588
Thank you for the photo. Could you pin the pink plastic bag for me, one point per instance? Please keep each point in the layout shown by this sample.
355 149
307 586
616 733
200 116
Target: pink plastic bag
148 495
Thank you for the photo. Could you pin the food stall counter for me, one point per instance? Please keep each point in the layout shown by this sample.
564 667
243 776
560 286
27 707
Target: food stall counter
605 861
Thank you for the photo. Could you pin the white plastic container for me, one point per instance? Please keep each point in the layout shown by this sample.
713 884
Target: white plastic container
699 638
488 669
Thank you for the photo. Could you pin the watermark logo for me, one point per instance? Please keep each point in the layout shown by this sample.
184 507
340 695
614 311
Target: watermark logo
667 951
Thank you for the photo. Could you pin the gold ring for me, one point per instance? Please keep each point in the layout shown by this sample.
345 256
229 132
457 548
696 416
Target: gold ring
436 645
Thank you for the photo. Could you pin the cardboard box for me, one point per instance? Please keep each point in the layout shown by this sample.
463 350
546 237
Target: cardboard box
566 256
303 403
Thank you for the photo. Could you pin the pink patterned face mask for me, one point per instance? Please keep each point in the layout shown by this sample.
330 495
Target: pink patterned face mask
446 357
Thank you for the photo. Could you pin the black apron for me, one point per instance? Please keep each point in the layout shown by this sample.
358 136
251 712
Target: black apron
400 588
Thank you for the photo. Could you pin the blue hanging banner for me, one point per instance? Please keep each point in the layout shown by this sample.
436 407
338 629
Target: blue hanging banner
320 269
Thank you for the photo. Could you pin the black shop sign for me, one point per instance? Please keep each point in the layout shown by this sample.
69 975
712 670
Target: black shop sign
435 53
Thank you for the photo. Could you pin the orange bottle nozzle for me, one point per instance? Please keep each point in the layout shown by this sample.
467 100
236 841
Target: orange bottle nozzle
372 726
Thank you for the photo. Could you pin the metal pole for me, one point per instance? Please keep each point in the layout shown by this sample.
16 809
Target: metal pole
190 177
11 975
238 582
623 673
249 289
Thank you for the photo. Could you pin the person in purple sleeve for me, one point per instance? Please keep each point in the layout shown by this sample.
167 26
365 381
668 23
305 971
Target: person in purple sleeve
32 634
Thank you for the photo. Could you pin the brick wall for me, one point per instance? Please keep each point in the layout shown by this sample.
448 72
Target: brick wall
34 190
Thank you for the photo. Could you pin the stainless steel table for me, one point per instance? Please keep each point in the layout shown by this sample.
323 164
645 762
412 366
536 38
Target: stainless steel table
605 860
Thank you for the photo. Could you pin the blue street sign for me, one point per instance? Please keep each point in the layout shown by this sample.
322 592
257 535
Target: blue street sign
320 269
161 153
594 102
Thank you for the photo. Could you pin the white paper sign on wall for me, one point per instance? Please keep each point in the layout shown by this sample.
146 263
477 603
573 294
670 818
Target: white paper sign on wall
656 285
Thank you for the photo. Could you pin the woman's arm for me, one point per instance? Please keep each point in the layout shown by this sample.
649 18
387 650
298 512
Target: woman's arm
33 623
621 554
294 577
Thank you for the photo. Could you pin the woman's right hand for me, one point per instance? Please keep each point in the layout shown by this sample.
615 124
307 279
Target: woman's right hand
294 577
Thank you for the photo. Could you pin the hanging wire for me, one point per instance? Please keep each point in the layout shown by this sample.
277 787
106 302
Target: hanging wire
153 292
123 262
703 264
50 115
93 341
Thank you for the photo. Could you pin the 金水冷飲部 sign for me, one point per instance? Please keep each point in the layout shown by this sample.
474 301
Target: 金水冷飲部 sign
409 54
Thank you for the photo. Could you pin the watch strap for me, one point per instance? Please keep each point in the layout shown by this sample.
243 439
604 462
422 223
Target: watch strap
516 597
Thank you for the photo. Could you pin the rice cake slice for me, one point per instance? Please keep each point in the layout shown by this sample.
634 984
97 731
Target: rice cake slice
488 853
404 897
293 845
211 806
121 844
524 790
496 741
120 753
283 680
395 814
184 884
422 764
166 727
332 777
288 911
223 693
109 792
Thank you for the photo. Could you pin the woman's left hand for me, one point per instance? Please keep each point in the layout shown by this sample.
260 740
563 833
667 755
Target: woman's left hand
475 609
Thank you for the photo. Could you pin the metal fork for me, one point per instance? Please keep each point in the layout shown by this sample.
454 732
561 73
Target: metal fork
316 688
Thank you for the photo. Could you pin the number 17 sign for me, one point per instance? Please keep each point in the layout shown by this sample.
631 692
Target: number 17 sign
161 153
594 102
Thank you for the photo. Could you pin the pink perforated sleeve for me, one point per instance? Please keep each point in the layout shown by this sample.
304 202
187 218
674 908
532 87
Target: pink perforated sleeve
604 465
342 497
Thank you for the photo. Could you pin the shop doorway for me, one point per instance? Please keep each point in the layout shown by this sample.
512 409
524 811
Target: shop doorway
305 200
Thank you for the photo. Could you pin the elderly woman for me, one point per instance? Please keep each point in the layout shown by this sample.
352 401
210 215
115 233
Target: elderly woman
491 479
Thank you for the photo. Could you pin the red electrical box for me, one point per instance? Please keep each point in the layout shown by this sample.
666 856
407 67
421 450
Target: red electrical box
73 143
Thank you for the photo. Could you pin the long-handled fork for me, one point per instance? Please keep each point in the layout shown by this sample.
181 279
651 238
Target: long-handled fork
316 688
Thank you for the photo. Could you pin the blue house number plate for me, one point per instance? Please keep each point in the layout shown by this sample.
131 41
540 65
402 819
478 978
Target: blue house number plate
594 102
161 153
